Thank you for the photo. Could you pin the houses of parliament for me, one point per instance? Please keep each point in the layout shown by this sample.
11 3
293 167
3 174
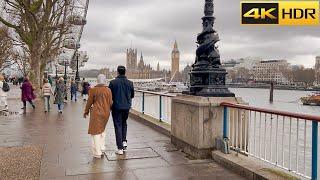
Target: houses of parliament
142 70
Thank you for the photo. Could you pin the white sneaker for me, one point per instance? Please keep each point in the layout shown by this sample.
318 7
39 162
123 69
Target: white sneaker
119 152
97 156
125 145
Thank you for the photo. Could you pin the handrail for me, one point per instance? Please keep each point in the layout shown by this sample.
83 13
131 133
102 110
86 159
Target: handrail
276 112
155 93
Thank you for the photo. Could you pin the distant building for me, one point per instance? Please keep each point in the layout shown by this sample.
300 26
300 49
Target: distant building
228 65
247 63
240 70
185 73
317 70
140 70
271 70
132 56
175 57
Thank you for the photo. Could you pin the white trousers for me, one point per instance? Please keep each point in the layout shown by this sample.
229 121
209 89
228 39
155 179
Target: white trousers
98 144
85 97
3 103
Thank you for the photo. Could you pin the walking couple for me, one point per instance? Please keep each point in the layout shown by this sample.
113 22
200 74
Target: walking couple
102 100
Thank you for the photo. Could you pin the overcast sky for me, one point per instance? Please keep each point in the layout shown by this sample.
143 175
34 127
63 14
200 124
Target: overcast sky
153 25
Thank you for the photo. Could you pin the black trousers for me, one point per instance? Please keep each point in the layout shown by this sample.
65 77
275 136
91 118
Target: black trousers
120 117
25 103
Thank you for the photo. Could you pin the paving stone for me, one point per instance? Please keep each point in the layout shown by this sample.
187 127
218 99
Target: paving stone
163 173
123 175
143 163
92 169
132 154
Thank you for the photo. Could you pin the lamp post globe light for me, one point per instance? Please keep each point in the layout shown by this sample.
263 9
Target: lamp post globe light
207 77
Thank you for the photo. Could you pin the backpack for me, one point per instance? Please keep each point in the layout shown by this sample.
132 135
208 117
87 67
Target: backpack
5 87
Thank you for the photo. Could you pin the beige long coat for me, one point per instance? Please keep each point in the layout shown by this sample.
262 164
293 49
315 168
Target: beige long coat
99 105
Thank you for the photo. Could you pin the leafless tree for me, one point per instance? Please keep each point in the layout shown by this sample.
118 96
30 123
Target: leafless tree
39 27
6 46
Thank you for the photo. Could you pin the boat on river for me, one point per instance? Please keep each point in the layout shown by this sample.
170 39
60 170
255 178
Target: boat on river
313 99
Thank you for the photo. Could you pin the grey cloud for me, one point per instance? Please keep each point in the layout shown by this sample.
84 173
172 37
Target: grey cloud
153 25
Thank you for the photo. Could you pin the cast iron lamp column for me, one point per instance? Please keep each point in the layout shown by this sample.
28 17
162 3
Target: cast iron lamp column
77 71
207 77
65 77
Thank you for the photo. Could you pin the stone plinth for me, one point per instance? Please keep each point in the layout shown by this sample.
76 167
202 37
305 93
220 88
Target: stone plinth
196 122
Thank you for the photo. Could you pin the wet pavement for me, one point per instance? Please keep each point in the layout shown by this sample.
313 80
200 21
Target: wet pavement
67 147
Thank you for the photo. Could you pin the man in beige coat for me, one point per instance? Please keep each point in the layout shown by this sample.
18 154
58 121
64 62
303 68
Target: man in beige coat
99 105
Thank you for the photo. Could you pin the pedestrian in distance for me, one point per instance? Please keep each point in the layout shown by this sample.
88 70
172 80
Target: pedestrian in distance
73 90
50 80
27 93
122 93
59 94
85 89
46 93
4 88
99 106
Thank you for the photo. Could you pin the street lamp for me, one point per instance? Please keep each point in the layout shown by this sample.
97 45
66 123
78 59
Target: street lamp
65 71
56 65
65 77
207 77
77 71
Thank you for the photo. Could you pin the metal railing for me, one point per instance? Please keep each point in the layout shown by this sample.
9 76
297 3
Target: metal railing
284 139
154 104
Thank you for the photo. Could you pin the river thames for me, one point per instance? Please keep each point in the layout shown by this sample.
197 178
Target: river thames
284 100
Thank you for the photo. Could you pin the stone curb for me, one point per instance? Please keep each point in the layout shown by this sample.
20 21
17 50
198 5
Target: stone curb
251 168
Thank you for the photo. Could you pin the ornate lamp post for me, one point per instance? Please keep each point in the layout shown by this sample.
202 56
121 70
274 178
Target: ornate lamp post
56 65
207 77
77 71
65 72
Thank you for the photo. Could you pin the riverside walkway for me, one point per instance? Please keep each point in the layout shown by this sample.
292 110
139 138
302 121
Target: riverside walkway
65 149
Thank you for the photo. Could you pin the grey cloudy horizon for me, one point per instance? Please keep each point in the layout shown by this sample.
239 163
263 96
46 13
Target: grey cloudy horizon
152 26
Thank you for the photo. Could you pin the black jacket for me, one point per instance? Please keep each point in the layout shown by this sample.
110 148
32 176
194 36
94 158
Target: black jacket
122 92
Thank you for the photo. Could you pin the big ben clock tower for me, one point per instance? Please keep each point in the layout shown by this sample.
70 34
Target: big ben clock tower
175 59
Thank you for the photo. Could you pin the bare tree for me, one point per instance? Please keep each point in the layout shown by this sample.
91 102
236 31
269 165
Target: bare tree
40 26
6 46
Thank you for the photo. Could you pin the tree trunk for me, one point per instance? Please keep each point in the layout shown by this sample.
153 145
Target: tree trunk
35 73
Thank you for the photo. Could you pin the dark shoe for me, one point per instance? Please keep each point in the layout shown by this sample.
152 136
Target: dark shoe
23 108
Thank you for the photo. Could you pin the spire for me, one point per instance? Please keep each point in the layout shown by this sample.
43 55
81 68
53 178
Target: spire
158 66
175 46
141 58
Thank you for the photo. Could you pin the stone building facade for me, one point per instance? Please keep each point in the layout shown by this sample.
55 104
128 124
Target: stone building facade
271 70
140 70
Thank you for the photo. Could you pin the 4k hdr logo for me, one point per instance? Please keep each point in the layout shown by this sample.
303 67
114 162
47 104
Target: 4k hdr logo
280 12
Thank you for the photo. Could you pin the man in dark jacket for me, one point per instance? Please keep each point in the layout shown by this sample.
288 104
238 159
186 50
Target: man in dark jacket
122 93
